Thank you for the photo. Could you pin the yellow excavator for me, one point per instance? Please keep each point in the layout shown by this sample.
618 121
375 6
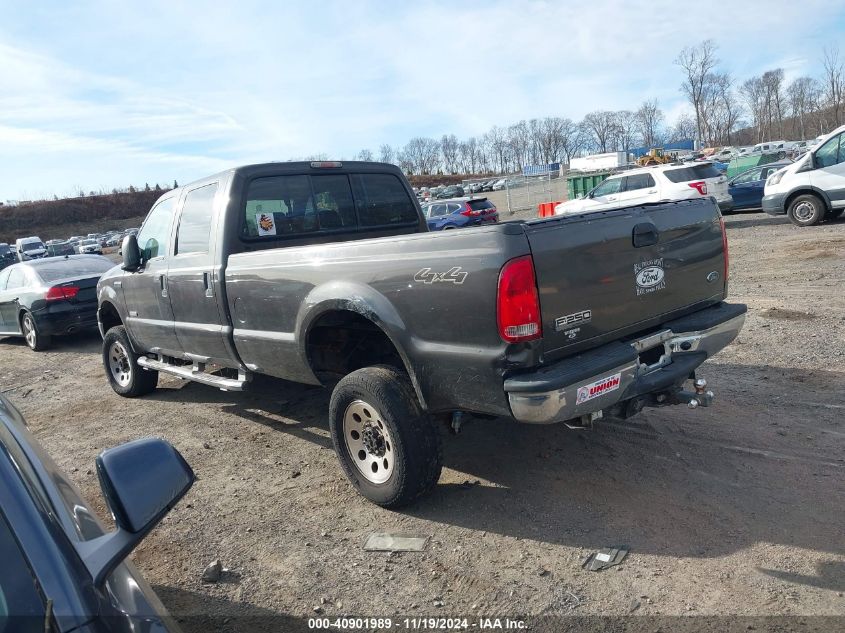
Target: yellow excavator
656 156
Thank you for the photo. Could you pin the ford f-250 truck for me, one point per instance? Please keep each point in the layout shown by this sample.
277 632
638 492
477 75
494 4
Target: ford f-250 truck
324 273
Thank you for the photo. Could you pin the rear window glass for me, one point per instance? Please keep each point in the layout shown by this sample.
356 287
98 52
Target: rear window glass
436 210
5 250
381 200
291 205
478 205
50 271
693 172
195 224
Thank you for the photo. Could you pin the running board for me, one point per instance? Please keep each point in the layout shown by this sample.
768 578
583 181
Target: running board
197 373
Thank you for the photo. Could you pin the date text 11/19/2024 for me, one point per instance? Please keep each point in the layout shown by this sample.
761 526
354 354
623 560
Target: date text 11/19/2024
416 624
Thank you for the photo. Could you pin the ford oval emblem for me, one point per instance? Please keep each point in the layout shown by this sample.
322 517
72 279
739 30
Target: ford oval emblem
713 276
650 276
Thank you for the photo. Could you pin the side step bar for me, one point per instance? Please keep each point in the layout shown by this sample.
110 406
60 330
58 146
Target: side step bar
197 373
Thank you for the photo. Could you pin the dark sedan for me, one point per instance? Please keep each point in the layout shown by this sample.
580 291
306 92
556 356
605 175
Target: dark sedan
7 255
61 570
46 297
747 188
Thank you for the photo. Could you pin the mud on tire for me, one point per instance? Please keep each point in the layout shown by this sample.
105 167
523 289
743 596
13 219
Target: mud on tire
388 447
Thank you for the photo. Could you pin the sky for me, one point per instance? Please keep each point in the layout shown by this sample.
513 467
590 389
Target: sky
100 95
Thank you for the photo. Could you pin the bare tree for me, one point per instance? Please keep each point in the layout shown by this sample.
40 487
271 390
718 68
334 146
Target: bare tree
602 126
801 95
773 85
684 129
626 129
649 121
497 149
449 149
365 155
422 155
386 154
754 93
834 83
698 63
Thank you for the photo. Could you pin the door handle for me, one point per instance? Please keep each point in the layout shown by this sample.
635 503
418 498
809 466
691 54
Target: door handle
652 191
209 286
162 281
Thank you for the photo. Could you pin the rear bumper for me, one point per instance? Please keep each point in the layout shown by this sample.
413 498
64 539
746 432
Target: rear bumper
773 204
66 320
613 373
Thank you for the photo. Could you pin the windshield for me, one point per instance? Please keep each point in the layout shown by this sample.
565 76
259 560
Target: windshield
31 246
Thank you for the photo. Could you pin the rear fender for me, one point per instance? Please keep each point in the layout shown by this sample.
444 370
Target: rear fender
365 301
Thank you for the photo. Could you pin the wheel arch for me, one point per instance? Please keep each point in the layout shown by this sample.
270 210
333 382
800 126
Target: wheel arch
806 190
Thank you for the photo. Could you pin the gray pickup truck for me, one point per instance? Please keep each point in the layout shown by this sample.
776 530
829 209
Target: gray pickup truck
325 273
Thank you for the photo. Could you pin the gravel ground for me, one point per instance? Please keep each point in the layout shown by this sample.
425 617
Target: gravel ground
732 510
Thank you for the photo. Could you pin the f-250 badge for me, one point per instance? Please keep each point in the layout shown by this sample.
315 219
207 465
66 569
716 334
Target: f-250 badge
453 275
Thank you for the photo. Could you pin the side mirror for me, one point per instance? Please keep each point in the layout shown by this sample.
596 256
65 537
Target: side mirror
131 253
141 482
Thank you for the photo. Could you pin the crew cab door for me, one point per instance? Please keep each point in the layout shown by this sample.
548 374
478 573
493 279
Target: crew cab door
193 280
638 189
149 318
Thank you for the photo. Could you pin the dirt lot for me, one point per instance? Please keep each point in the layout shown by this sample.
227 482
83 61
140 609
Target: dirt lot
735 509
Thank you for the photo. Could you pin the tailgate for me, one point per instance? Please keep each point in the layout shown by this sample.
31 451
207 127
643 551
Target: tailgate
603 275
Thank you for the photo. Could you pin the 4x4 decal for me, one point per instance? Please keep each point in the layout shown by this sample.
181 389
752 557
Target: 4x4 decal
453 275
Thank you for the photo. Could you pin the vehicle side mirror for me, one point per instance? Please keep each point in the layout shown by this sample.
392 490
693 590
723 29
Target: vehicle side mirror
131 254
141 481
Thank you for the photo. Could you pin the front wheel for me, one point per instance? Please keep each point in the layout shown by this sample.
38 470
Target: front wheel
806 210
126 377
387 445
36 341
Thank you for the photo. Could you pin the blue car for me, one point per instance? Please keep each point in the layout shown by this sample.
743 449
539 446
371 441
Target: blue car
458 213
747 188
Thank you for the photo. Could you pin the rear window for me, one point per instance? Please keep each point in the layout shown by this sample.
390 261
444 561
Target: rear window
51 271
4 250
693 172
303 204
478 205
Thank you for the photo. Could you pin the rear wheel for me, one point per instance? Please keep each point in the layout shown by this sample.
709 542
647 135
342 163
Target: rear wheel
36 341
126 377
806 210
387 445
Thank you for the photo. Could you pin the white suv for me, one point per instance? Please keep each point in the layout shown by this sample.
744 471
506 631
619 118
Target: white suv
661 183
812 188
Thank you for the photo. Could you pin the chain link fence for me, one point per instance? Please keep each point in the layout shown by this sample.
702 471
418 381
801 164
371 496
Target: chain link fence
519 195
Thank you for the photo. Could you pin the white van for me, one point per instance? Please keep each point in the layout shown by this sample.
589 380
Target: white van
771 147
30 248
812 188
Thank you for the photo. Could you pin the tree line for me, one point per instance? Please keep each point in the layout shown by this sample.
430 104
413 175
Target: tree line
724 112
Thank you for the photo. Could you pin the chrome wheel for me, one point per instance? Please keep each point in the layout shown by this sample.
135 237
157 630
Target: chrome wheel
804 211
119 365
368 441
29 331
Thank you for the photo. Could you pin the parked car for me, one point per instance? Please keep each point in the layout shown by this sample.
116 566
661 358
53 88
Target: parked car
62 570
59 249
7 255
326 273
115 240
659 183
89 246
452 191
746 189
52 296
455 214
29 248
499 184
811 189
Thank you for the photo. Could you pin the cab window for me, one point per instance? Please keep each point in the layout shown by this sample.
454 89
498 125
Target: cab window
831 153
154 236
609 186
195 223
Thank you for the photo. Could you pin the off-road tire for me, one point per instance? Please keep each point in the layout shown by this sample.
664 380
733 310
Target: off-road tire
806 210
416 448
35 340
133 380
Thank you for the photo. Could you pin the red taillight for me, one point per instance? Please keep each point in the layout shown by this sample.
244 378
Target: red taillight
725 248
57 293
700 185
470 212
518 303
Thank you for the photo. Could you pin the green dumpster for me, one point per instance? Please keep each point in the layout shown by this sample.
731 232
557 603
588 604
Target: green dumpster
741 164
580 183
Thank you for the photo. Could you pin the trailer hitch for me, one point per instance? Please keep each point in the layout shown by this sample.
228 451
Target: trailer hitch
701 397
